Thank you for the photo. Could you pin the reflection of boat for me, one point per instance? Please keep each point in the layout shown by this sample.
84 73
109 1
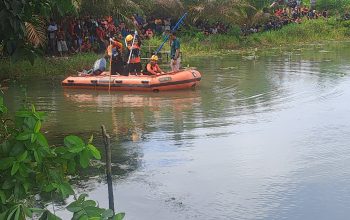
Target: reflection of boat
170 81
132 114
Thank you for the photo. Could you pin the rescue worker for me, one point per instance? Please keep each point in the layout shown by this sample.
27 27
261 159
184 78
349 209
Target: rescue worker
115 51
134 66
152 67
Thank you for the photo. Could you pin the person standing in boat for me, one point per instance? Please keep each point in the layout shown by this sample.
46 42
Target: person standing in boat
134 66
174 52
114 51
153 68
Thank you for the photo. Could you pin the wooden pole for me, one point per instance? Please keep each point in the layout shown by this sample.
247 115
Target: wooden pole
107 143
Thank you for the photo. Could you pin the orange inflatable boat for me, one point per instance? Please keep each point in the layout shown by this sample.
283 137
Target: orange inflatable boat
183 79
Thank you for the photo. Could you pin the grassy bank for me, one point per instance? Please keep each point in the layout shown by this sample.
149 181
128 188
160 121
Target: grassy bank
310 31
46 66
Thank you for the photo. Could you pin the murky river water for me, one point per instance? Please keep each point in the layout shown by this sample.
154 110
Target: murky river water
260 139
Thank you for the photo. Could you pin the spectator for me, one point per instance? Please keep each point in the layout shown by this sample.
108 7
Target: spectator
61 42
52 31
149 33
86 45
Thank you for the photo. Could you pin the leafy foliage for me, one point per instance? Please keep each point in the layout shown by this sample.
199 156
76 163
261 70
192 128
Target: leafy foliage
29 166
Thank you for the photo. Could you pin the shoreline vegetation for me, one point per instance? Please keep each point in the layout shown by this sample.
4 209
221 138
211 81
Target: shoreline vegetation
192 44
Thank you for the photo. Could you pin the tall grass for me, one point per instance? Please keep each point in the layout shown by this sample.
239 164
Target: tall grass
45 67
308 31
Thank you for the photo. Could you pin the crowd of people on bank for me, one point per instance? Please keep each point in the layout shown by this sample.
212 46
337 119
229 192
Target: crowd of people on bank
73 35
285 16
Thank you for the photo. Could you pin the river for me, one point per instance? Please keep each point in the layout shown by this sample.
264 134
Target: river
264 138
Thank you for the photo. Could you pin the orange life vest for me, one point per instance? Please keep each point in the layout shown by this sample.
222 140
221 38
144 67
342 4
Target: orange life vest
135 54
153 70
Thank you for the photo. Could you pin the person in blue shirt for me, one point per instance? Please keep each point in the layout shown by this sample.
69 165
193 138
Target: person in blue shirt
174 52
98 68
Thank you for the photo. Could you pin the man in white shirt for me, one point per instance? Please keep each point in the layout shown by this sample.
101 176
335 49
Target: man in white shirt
52 32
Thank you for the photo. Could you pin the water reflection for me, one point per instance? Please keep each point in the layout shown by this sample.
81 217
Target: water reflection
260 139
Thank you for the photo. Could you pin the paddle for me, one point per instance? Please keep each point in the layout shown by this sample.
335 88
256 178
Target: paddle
177 25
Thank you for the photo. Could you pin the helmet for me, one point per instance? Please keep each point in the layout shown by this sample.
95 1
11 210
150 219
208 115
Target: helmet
154 58
129 38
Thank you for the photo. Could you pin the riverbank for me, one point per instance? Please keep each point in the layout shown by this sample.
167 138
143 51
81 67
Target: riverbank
310 31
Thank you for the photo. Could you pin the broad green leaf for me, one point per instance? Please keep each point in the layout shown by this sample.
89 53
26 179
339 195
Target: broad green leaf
74 207
24 136
66 189
42 140
30 123
73 141
6 163
84 158
77 215
23 156
37 126
84 217
107 214
82 197
92 211
88 203
33 138
94 151
119 216
2 197
15 168
76 149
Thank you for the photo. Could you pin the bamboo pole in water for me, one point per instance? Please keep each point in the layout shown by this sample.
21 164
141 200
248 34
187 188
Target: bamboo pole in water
107 143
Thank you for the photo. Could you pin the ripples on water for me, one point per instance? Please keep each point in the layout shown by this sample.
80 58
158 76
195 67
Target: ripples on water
260 139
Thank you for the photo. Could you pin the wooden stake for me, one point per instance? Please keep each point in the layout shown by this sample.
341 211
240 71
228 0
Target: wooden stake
107 143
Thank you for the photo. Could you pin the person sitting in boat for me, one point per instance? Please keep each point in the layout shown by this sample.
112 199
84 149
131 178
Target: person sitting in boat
134 65
115 50
152 67
98 68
